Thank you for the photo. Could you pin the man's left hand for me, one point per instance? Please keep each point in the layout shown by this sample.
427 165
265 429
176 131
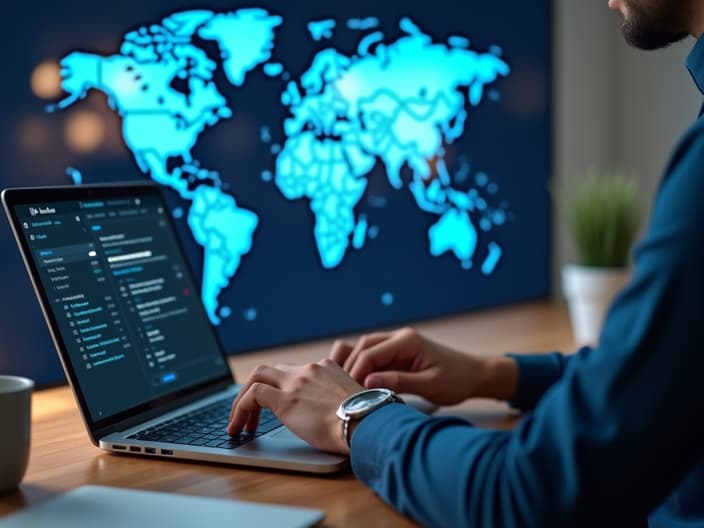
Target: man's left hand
304 398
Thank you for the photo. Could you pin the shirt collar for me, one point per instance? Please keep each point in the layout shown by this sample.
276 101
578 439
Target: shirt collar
695 64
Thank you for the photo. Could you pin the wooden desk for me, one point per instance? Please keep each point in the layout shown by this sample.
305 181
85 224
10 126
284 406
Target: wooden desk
63 458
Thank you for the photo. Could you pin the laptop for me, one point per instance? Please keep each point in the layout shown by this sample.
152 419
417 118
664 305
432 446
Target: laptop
146 366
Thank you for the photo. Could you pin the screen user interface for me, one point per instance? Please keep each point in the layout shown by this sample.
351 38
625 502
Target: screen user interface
127 310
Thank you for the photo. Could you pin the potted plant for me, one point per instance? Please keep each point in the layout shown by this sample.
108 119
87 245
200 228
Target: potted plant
604 217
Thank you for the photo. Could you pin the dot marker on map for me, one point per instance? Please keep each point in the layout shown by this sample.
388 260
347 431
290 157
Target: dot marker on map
482 179
458 42
225 312
492 260
387 299
321 29
362 24
177 213
499 217
273 69
378 202
496 50
251 314
265 134
359 236
75 175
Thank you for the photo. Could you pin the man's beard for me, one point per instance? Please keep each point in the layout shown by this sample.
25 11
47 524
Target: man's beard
655 28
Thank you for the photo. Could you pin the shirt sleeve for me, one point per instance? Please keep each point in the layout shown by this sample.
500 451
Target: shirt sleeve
608 441
536 374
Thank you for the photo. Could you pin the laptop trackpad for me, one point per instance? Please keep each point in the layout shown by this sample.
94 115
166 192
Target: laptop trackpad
284 434
281 441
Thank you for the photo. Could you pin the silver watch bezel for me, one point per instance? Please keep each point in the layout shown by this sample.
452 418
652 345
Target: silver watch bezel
346 416
343 410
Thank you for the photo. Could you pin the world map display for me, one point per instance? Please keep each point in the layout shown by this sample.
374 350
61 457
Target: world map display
398 103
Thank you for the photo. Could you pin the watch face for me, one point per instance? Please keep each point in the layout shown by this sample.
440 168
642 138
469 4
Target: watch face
366 400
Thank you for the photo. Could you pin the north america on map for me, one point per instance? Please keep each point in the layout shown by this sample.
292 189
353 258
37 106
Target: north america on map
399 103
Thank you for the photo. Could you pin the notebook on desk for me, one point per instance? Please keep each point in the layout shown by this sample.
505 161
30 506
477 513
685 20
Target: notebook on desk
92 506
146 366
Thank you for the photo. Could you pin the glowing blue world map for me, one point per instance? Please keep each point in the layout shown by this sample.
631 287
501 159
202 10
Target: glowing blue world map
398 103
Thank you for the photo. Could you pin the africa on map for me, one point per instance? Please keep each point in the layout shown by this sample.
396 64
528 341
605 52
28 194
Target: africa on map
396 102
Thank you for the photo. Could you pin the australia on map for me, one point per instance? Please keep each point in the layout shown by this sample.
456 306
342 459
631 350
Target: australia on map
396 102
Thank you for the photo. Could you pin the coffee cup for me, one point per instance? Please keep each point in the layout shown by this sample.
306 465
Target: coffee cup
15 419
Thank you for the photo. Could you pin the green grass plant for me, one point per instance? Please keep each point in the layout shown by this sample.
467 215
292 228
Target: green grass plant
604 218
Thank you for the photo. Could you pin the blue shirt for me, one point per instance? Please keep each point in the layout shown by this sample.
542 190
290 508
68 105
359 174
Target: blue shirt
611 436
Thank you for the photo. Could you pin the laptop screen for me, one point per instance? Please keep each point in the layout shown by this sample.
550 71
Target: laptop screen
123 299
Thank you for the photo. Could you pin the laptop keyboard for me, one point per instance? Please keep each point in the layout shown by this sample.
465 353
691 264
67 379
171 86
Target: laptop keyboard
206 427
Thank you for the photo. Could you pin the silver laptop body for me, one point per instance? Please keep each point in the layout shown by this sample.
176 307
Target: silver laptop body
143 359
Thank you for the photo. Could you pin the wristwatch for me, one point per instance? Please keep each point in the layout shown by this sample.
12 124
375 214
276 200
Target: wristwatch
360 405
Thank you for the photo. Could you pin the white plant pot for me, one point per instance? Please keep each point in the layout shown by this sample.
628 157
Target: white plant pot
589 292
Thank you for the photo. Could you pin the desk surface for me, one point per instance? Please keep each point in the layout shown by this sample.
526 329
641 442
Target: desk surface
63 458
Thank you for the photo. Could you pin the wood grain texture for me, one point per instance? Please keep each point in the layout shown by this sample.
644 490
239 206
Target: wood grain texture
63 458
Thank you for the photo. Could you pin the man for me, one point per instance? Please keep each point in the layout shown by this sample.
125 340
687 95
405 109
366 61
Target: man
611 435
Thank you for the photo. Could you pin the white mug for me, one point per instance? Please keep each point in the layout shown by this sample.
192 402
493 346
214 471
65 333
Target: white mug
15 420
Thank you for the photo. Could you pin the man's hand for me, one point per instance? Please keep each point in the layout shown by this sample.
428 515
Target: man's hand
405 361
304 398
